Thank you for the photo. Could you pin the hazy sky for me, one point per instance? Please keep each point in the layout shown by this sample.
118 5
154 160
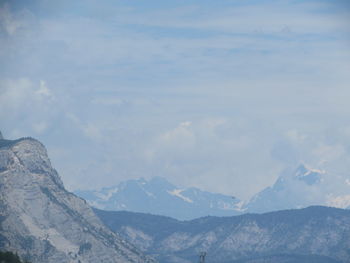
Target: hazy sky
223 94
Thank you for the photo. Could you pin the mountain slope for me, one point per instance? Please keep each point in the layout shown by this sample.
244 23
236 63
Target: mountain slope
314 234
300 188
41 221
158 196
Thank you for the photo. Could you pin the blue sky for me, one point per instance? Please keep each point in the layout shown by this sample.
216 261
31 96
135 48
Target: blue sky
223 95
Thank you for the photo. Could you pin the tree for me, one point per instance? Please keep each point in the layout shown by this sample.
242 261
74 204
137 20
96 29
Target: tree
9 257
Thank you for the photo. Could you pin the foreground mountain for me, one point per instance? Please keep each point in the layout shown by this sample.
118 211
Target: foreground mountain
42 222
314 234
158 196
301 188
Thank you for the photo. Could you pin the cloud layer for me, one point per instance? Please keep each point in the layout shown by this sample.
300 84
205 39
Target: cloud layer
220 96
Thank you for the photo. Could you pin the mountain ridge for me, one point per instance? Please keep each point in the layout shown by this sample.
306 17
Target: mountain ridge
299 188
159 196
311 233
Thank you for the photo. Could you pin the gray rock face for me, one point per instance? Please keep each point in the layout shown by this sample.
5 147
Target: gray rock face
314 234
1 137
43 222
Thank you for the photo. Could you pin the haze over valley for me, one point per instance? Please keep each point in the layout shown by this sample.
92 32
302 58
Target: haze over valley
175 131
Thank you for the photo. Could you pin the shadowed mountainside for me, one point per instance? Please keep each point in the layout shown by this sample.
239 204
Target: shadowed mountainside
314 234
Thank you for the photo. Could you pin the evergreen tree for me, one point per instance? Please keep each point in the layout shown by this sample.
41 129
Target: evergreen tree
9 257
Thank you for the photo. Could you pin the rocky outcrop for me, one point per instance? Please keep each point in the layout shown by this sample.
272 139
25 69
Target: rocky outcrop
43 222
314 234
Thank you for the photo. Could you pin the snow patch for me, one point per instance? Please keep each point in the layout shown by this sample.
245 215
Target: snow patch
311 170
239 206
177 193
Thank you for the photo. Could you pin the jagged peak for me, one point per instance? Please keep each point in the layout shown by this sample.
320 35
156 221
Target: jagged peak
301 170
304 170
159 179
309 175
161 182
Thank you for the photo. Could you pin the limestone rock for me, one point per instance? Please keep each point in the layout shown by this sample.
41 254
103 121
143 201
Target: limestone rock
43 222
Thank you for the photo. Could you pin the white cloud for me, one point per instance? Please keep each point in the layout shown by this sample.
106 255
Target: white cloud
197 153
339 201
251 78
28 102
178 140
16 95
183 131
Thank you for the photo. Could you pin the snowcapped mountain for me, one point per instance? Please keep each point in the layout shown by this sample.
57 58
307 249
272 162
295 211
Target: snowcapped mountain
158 196
301 188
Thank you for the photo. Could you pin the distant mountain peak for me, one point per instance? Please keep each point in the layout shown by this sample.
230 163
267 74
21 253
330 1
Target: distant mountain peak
302 187
158 196
161 182
1 136
309 175
301 170
304 169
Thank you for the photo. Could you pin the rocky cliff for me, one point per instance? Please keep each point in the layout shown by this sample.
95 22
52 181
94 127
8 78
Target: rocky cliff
43 222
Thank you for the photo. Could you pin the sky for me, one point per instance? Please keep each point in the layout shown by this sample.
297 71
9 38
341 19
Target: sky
223 95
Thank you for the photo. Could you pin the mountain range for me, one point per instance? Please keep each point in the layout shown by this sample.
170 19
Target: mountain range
314 234
299 188
42 222
158 196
